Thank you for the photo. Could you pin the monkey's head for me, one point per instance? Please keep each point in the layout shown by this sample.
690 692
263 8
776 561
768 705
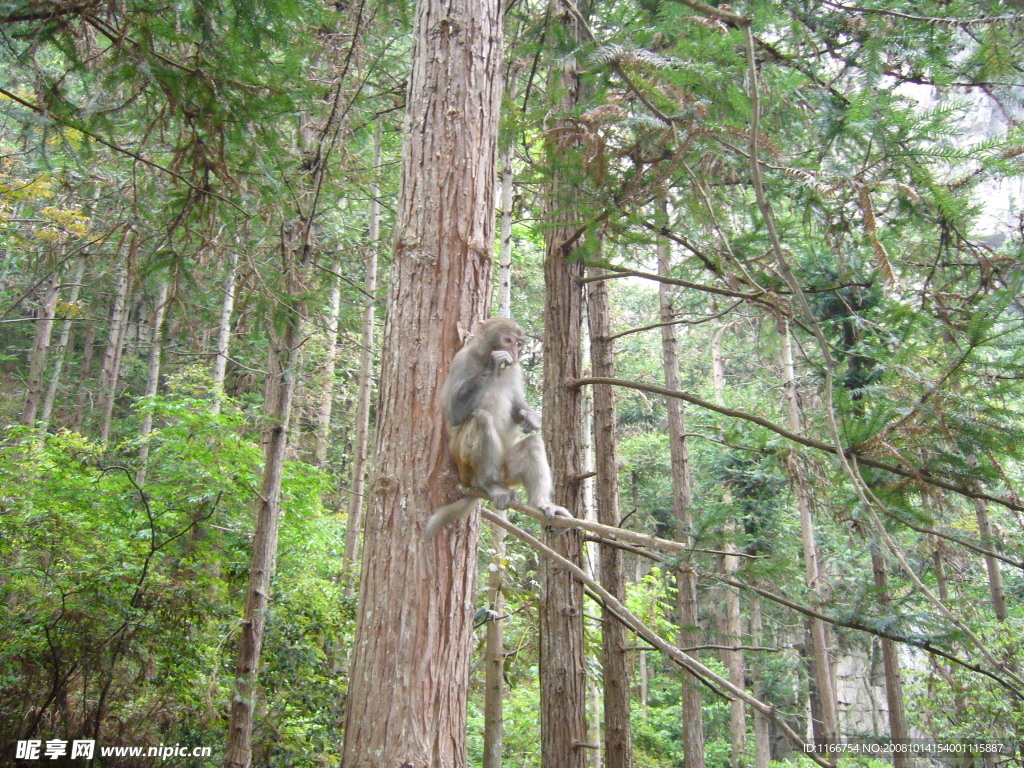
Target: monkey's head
501 333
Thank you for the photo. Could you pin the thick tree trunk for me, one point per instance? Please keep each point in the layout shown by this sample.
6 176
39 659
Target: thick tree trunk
62 346
410 667
563 687
686 595
354 527
40 347
227 306
615 640
826 724
153 375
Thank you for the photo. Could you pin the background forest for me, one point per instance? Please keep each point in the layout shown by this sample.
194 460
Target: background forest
801 226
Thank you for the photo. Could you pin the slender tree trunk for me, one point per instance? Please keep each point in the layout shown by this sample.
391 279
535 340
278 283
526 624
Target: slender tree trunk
827 727
82 397
410 666
40 347
227 306
898 731
995 576
354 528
507 177
762 734
615 641
641 661
153 377
111 366
730 563
563 688
686 599
277 407
323 427
62 347
494 671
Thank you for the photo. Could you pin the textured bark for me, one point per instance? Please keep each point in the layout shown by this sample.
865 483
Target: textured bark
410 667
360 443
762 733
563 687
686 578
276 408
618 738
40 347
826 727
995 575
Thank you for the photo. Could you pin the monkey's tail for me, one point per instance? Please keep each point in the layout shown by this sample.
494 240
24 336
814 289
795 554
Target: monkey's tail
449 513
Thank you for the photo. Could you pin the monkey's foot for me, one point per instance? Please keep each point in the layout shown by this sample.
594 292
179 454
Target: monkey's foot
551 511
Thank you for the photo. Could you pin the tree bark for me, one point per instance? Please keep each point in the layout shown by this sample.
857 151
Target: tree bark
686 578
563 688
618 737
354 527
277 407
410 667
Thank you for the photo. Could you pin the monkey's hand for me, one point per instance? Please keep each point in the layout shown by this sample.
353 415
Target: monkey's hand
528 419
501 495
502 358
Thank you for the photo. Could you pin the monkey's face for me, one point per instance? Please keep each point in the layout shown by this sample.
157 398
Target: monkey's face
509 341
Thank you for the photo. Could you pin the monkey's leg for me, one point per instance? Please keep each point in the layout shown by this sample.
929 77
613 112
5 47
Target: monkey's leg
480 457
527 465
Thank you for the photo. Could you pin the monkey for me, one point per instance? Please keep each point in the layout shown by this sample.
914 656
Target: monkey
486 414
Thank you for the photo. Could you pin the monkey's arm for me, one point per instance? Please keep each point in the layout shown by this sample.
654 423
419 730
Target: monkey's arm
467 380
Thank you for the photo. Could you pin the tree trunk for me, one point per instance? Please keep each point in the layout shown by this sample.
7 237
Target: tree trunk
62 346
507 176
762 732
827 727
153 377
227 306
82 396
323 426
686 596
354 527
898 731
995 576
111 366
277 407
730 563
40 347
563 688
410 667
618 738
494 671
